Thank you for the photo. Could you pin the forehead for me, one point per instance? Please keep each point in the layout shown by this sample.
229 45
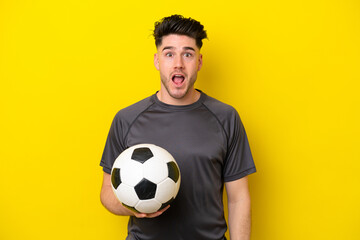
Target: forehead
178 42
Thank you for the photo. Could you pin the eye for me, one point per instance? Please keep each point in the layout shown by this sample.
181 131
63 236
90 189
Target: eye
169 54
187 55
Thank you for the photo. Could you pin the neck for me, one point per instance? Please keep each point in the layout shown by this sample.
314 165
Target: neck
191 97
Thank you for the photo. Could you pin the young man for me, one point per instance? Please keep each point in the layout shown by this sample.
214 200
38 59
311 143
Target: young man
205 136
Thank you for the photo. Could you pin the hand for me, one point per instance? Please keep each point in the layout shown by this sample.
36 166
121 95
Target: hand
150 215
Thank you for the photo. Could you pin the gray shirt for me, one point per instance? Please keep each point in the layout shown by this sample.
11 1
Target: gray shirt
209 143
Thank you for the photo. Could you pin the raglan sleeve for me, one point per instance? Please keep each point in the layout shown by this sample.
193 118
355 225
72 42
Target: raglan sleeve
114 144
239 161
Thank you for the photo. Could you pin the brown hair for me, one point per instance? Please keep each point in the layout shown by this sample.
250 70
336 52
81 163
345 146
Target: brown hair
177 24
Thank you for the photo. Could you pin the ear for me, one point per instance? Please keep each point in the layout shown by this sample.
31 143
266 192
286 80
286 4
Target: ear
200 62
156 61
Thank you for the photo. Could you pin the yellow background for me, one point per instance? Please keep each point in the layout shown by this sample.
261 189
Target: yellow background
291 69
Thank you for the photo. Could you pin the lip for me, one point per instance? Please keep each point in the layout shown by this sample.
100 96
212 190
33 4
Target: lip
177 74
178 82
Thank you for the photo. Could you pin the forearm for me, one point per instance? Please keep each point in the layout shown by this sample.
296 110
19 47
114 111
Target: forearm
111 203
109 200
240 219
239 209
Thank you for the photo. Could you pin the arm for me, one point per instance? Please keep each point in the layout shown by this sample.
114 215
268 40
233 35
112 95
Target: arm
111 203
239 209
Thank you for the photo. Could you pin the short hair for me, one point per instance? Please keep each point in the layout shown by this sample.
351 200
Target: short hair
177 24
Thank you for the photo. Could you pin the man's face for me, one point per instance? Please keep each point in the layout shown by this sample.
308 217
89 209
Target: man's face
178 59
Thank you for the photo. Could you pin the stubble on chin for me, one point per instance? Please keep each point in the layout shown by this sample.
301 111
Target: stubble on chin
176 93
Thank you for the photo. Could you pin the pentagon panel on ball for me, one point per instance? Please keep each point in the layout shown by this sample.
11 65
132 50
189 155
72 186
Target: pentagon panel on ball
145 178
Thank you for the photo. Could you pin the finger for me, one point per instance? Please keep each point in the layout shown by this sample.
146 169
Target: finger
151 215
164 209
140 215
158 213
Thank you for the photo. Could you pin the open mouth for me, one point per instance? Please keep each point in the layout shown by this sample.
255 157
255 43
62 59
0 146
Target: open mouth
178 79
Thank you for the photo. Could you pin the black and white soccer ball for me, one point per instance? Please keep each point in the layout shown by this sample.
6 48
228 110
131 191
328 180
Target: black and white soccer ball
145 178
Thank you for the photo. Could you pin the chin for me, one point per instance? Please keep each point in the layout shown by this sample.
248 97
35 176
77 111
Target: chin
178 95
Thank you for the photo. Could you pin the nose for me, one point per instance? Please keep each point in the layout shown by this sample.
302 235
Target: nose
178 63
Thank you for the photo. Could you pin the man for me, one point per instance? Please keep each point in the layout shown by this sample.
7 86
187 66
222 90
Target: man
205 136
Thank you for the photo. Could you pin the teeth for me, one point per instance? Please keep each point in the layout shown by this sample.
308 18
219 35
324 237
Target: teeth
178 76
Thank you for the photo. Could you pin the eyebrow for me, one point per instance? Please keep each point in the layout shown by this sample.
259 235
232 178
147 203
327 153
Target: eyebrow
171 48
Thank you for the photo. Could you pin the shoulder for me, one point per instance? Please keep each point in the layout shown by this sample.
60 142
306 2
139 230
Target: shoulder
130 113
220 109
226 114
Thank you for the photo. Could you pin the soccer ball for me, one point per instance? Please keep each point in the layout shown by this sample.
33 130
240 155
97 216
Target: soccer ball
145 178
